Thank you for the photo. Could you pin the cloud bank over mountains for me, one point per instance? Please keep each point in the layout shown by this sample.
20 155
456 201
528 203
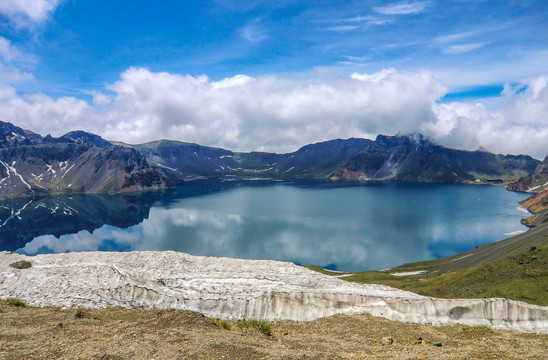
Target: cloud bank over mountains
283 112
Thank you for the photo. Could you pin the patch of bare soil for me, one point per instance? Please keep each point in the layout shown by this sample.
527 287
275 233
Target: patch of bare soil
114 333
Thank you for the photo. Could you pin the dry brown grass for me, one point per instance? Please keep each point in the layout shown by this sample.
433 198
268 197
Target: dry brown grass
114 333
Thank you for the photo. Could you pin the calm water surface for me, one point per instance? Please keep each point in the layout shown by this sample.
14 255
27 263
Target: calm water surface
351 228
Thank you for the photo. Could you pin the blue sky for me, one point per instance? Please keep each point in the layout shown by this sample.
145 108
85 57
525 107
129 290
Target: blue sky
77 60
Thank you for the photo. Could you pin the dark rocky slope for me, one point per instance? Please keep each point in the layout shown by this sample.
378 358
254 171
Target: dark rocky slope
394 158
80 162
314 161
77 162
537 182
416 158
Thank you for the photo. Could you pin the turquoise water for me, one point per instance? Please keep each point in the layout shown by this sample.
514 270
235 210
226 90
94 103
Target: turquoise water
350 228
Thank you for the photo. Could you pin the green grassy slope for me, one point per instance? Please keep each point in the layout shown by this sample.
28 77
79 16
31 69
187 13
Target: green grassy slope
523 276
514 268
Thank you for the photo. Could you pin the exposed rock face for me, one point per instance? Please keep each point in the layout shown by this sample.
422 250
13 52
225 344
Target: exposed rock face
77 162
314 161
538 205
84 162
417 158
396 158
239 289
535 182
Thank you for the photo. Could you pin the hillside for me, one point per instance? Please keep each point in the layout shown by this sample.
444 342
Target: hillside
417 158
536 182
80 162
77 162
394 158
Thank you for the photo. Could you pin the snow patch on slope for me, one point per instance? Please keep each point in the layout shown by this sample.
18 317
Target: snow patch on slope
239 289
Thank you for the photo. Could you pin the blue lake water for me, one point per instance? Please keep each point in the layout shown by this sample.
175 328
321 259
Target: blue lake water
343 227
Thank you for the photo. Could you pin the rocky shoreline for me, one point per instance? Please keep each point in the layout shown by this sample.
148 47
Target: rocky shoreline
237 289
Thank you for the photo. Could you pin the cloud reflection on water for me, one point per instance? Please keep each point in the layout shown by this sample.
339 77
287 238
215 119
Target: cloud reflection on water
353 228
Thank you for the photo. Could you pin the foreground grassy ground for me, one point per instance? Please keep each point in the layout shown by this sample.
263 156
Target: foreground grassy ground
114 333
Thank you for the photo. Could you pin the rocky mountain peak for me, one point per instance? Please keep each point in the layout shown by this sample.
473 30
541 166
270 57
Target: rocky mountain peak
404 139
82 136
11 135
77 162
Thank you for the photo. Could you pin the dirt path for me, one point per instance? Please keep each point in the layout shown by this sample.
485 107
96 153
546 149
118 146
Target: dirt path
114 333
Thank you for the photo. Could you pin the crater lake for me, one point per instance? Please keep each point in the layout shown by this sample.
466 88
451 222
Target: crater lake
347 227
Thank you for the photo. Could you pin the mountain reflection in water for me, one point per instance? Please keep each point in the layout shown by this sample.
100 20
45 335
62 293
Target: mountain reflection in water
350 228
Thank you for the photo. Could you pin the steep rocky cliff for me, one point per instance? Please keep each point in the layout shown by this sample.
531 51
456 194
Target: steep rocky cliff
535 182
313 161
417 158
396 158
74 163
81 162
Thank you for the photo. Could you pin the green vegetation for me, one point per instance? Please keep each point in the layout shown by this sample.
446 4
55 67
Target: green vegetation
504 178
263 326
472 328
22 265
324 271
16 302
521 277
80 313
221 323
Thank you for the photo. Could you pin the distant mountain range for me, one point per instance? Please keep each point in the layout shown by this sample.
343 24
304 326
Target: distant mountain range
77 162
388 158
80 162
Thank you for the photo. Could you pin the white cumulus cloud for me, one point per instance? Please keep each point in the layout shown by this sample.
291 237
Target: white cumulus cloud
516 123
283 112
25 13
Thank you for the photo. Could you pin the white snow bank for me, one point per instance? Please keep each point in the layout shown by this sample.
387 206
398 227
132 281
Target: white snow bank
238 289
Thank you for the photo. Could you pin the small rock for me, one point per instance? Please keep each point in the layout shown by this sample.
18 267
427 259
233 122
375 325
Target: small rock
102 357
135 344
60 325
421 356
438 344
280 342
387 340
21 264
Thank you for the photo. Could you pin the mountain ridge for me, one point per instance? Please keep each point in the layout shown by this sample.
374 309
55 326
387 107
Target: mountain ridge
73 163
411 157
88 163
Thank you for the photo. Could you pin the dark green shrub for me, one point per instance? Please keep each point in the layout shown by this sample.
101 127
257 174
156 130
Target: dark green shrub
221 323
16 302
263 326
